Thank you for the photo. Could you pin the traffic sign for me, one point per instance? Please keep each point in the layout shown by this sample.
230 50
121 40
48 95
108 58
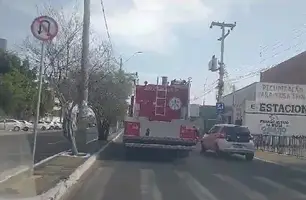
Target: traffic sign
220 107
44 28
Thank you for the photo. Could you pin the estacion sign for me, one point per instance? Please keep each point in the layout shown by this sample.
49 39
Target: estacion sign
282 108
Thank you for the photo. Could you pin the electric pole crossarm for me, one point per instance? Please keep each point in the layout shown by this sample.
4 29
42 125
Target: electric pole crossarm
227 25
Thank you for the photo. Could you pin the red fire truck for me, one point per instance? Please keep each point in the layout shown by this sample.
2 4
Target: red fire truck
159 118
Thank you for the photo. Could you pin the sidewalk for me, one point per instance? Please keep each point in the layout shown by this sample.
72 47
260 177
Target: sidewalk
52 177
281 159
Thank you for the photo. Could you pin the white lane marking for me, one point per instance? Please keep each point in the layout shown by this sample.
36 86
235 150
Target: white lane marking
281 164
90 141
267 161
302 182
57 142
281 188
113 140
197 188
251 194
148 187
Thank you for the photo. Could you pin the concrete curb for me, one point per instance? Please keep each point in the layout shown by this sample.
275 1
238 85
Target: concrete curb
27 168
20 171
62 187
280 164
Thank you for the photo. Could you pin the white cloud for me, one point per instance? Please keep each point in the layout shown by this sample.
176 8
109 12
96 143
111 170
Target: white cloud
149 24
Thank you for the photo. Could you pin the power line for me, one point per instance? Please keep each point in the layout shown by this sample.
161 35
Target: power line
299 33
278 44
106 24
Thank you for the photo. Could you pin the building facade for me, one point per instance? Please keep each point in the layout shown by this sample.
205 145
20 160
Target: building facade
291 71
3 44
269 108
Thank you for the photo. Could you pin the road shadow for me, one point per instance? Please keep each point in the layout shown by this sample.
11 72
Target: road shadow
226 157
116 152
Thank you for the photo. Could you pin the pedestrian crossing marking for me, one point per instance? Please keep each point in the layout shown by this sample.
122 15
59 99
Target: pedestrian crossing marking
197 188
251 194
281 188
149 189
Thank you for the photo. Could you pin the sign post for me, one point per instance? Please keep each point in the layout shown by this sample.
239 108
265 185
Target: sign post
43 28
220 108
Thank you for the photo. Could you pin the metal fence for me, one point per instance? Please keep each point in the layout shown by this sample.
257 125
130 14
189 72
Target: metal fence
290 145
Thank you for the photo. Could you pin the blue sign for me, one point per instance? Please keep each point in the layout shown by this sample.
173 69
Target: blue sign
220 107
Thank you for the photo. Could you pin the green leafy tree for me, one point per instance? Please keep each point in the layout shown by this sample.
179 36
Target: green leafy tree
108 94
18 88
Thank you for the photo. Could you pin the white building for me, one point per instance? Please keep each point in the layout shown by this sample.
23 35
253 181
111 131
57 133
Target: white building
269 108
3 44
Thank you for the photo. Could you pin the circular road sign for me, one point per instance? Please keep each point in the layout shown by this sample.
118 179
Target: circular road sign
44 28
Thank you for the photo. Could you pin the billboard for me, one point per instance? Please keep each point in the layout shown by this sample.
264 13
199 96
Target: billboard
276 92
275 124
282 108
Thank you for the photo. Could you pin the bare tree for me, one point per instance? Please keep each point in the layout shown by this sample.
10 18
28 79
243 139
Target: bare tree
62 63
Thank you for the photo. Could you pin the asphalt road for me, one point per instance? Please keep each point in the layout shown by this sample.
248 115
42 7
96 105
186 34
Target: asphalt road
153 176
16 149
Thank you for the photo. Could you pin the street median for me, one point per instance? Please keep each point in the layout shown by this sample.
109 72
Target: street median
52 178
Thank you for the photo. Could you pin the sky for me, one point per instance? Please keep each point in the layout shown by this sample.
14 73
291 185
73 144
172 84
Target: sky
175 37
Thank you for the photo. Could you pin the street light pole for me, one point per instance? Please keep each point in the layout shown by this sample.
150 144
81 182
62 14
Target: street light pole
121 61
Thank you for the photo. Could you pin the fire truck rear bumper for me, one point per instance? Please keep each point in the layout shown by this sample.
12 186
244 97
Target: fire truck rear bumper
160 146
159 143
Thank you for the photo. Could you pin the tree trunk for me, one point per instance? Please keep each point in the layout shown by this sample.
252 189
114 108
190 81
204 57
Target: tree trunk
103 128
100 128
68 129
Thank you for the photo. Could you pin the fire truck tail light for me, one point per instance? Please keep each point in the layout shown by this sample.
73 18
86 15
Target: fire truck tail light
132 128
187 133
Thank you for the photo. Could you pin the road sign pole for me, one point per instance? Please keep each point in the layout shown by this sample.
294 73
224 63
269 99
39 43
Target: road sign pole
44 28
41 67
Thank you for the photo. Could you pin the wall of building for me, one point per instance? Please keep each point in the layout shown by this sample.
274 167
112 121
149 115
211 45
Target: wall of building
234 102
292 71
3 44
279 109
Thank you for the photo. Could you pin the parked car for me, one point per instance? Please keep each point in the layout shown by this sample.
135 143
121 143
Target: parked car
27 125
229 139
50 125
41 125
58 125
11 124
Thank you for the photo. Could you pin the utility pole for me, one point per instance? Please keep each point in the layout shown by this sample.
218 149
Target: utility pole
223 26
121 64
83 96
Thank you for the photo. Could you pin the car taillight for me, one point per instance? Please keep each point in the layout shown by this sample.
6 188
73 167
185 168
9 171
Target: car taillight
187 133
132 128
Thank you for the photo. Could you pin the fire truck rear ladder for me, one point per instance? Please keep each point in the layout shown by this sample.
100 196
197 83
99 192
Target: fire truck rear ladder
161 100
